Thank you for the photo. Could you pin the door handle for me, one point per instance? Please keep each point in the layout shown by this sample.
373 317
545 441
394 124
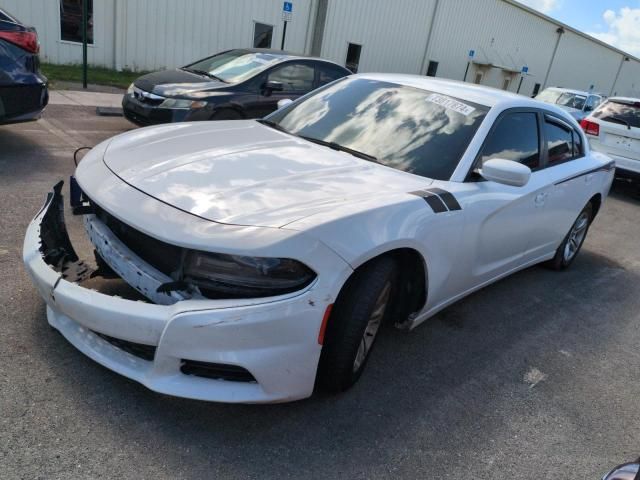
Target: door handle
541 198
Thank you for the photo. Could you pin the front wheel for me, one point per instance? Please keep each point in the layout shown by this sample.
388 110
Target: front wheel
572 243
355 321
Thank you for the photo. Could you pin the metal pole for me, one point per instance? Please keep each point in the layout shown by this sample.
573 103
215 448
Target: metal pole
423 67
466 71
559 31
613 87
85 21
520 84
284 34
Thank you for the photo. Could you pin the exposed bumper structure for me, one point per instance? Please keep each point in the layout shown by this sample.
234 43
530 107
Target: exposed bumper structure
274 339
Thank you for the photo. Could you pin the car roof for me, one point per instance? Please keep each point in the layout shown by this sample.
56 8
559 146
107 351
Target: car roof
285 55
575 92
625 99
480 94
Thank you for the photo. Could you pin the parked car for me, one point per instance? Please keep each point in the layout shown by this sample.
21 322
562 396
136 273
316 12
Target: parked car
23 89
614 129
576 102
270 251
236 84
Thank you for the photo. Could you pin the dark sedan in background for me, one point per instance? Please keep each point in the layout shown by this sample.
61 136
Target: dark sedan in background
236 84
23 89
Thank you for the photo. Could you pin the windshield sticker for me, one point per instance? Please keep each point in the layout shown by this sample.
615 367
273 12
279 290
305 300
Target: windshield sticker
451 104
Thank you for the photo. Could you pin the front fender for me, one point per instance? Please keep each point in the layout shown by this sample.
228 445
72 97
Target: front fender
402 222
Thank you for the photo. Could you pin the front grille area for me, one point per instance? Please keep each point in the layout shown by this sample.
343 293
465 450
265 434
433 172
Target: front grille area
162 256
216 371
145 352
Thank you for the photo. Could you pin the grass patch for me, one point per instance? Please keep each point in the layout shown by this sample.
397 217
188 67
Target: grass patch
95 75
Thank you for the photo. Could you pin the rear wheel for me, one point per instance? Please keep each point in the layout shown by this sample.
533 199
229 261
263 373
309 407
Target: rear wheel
357 316
226 114
572 243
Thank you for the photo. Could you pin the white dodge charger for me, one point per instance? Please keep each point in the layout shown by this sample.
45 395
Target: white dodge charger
256 260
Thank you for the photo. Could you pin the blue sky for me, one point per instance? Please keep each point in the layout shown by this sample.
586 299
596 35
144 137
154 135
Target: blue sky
614 21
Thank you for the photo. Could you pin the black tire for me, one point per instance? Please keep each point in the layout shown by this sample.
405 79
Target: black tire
226 114
349 319
560 260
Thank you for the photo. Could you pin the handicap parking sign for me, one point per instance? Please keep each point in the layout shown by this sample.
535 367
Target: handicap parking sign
287 11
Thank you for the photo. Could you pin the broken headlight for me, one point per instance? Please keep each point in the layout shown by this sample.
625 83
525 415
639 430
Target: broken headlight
232 276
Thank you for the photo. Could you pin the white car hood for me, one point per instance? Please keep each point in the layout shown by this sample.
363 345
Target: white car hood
245 173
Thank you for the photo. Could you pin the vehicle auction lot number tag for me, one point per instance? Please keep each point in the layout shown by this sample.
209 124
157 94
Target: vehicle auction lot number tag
451 104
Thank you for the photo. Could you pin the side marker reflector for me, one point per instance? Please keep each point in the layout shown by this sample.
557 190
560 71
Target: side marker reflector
323 326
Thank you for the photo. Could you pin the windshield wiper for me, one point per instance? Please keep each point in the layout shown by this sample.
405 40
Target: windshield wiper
618 119
272 124
341 148
203 72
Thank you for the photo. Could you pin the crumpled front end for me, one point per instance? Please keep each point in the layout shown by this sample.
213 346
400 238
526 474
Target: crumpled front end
250 350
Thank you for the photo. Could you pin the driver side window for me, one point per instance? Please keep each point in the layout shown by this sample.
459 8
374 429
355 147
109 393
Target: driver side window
295 77
514 137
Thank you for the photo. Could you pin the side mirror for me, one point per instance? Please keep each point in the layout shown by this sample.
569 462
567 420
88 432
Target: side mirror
284 102
506 172
273 86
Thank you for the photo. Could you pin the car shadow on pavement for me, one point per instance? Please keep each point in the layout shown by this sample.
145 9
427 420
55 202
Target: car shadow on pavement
445 387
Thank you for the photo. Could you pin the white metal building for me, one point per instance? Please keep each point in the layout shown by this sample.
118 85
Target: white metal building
432 37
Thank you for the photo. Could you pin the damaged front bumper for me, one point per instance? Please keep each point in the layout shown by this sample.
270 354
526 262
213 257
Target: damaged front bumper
268 345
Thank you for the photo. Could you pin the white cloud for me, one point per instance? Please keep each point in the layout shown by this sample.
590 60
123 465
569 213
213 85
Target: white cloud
544 6
622 29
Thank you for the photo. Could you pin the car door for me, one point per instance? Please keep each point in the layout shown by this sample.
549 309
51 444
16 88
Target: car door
296 78
505 225
568 169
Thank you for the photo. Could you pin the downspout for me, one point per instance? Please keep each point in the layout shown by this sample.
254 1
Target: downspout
311 22
613 87
425 57
120 33
559 31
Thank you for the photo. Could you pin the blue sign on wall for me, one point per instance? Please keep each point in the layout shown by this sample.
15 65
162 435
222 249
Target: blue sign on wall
287 7
472 53
525 69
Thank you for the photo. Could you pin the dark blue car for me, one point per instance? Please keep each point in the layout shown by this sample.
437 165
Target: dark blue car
23 89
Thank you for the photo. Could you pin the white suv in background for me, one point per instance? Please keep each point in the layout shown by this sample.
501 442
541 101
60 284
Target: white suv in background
614 129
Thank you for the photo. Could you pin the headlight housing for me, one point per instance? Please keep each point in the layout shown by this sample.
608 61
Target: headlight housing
233 276
182 104
130 89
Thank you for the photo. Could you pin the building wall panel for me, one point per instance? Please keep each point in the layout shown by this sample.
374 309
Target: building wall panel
166 33
393 35
499 33
581 63
45 16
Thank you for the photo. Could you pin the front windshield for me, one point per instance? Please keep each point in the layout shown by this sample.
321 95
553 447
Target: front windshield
406 128
549 96
236 65
572 100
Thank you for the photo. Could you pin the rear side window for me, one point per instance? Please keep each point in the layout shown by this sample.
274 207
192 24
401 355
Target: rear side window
5 17
295 77
559 142
620 112
515 137
328 73
578 148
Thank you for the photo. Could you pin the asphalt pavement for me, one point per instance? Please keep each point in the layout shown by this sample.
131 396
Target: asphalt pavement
535 377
